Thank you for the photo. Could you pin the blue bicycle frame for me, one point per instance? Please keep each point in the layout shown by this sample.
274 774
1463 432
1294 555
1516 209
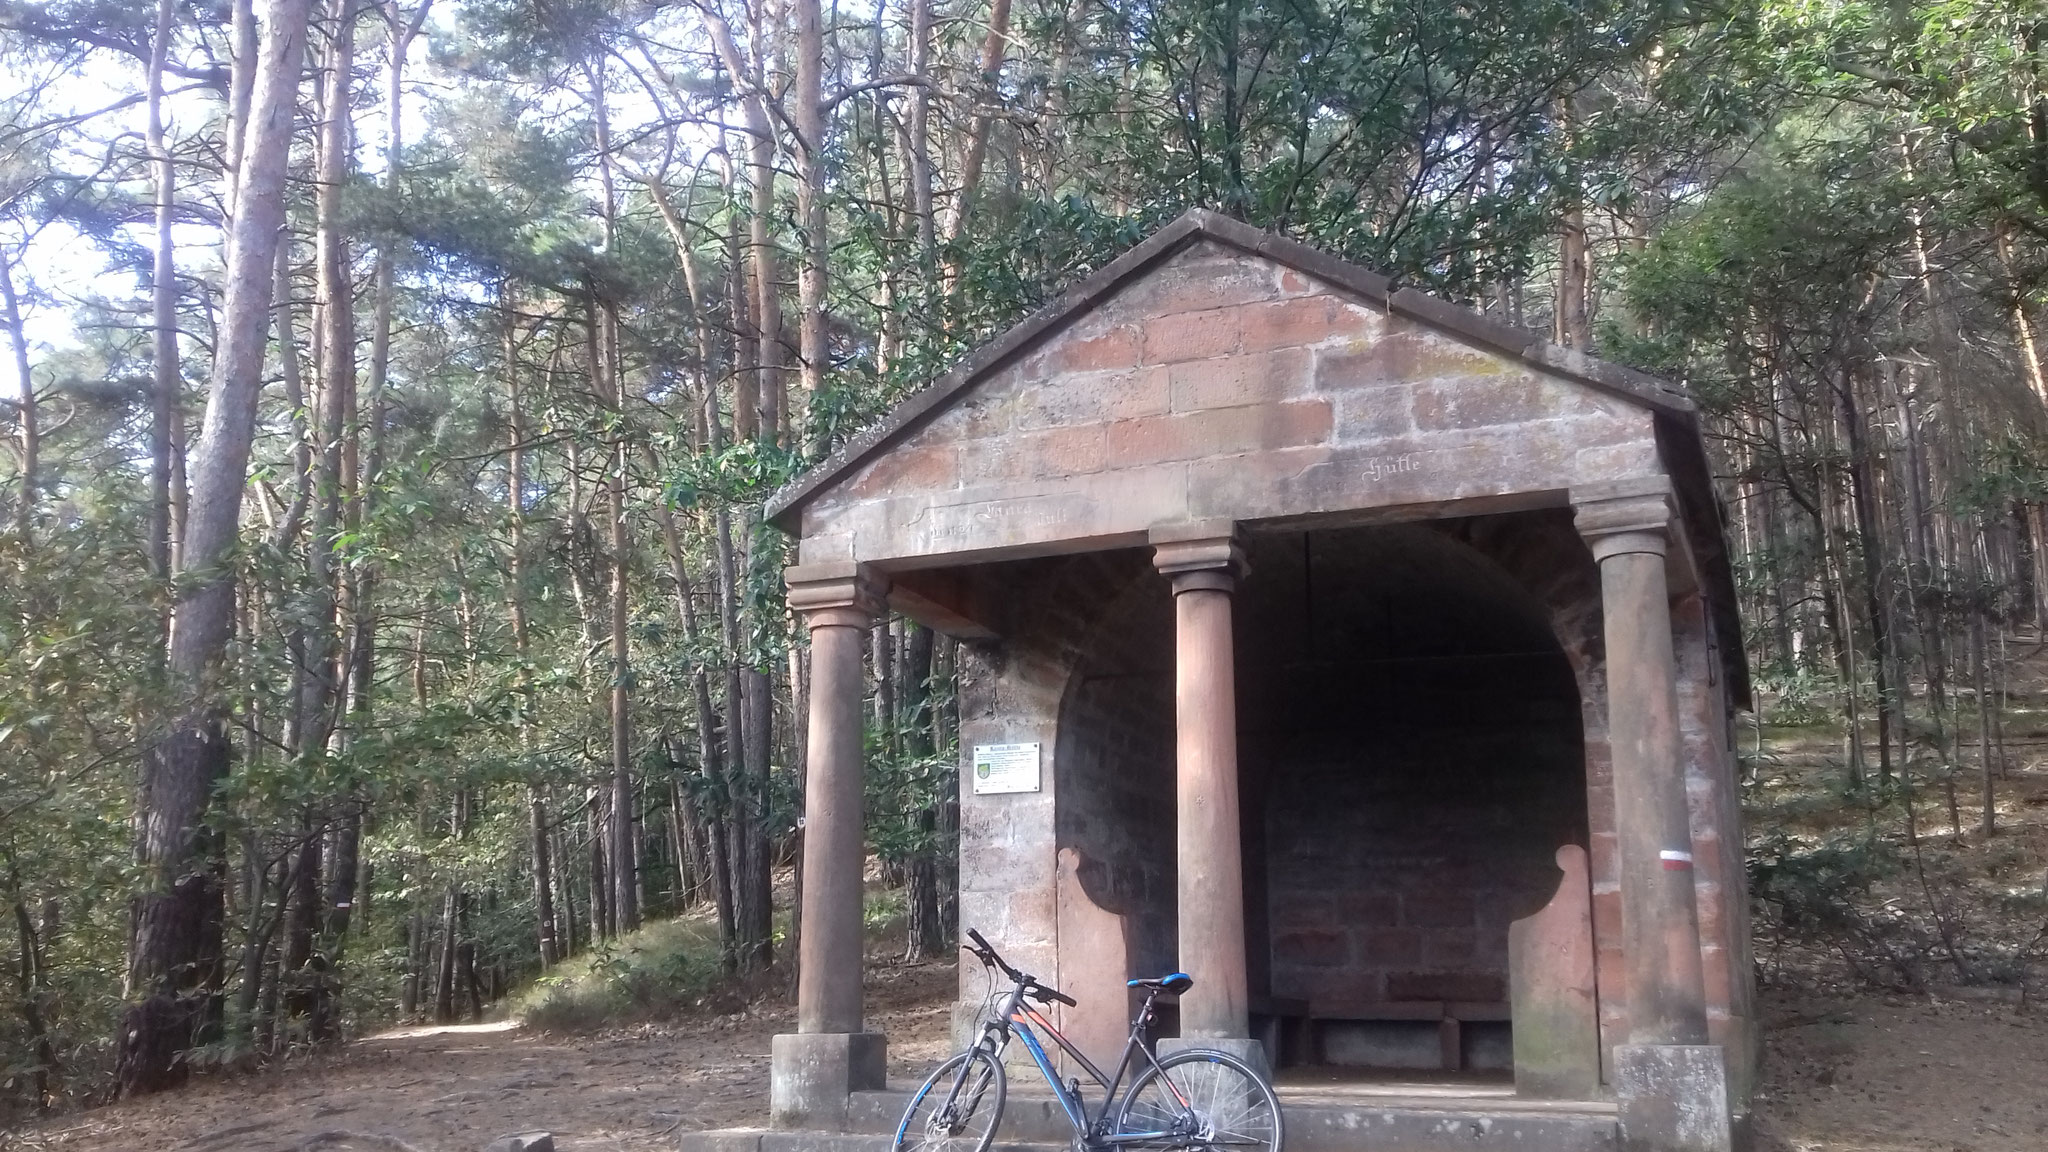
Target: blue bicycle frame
1016 1017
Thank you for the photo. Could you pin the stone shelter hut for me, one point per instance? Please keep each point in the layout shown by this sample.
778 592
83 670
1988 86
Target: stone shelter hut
1367 659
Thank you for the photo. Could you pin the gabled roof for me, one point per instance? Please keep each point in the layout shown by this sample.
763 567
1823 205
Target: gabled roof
1200 224
1677 417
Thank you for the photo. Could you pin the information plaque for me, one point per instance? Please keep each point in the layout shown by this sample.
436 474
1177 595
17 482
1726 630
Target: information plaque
1005 768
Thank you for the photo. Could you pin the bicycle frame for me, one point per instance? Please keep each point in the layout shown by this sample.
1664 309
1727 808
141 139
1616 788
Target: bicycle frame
1018 1018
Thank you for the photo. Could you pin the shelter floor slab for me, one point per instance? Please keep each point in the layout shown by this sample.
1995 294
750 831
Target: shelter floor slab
1332 1114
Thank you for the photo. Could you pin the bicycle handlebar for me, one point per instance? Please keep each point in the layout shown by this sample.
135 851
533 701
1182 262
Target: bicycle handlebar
986 953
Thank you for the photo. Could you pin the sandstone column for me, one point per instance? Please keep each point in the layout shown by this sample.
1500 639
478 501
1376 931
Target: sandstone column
829 1056
1670 1082
1204 561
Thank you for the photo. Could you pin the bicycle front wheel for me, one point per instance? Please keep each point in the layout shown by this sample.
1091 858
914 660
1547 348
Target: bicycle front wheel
957 1108
1200 1099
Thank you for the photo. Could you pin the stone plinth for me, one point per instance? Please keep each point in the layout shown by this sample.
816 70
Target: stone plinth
812 1074
1673 1097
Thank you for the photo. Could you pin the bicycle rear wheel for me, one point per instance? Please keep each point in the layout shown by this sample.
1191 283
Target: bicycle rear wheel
957 1108
1201 1099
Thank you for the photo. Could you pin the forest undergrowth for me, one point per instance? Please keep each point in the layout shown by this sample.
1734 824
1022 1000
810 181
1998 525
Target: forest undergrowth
1900 965
1894 885
1902 953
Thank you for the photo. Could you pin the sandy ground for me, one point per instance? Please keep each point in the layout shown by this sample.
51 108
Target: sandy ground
1870 1074
1900 1074
455 1089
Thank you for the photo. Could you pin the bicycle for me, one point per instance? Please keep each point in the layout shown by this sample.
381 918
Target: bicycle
1192 1099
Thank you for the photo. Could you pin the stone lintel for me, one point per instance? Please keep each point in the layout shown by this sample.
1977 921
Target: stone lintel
836 592
1203 554
945 600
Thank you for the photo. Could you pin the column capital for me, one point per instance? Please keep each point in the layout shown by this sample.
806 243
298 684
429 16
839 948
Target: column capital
1204 554
845 593
1623 516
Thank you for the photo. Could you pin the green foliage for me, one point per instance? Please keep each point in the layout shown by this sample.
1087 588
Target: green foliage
76 619
658 973
1820 893
1768 189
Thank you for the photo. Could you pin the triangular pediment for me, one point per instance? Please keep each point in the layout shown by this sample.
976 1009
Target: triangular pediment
1220 372
1211 288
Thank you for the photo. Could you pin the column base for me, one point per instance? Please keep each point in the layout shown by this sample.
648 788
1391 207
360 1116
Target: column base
1252 1052
810 1075
1673 1098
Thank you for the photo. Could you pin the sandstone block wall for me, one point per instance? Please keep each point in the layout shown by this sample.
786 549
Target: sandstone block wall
1221 385
1387 852
1414 730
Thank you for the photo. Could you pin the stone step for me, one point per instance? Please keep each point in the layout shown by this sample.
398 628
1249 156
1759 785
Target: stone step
784 1140
1440 1126
1030 1117
1358 1124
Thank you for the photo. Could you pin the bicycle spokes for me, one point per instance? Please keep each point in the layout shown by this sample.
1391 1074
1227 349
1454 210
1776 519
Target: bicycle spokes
1197 1103
957 1109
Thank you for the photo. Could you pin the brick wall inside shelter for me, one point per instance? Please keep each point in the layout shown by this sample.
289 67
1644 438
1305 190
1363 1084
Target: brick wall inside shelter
1414 733
1422 718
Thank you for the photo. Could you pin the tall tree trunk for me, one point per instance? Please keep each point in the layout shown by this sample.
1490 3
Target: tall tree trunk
945 723
257 931
1574 328
974 150
750 421
927 929
30 431
444 983
302 919
168 963
757 690
814 348
565 890
164 379
415 965
31 988
740 828
601 921
466 959
2024 332
241 89
344 871
543 877
625 872
515 601
608 382
882 655
1870 547
1987 823
919 148
329 660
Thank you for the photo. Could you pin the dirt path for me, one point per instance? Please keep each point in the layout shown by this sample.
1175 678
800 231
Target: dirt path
1893 1074
455 1089
1870 1074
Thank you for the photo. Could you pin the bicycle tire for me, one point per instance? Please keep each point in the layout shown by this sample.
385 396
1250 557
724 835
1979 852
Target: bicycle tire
1230 1106
959 1093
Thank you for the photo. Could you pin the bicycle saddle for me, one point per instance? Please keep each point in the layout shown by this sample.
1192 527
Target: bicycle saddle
1175 984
